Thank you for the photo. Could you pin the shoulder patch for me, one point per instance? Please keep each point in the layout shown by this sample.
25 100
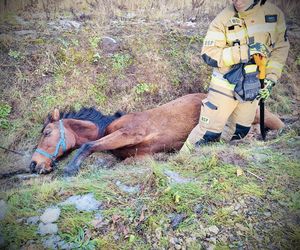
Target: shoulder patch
270 18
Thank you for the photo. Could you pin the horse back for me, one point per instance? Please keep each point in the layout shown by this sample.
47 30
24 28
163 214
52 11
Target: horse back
163 128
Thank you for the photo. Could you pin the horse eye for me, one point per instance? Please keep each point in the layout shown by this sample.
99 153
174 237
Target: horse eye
47 132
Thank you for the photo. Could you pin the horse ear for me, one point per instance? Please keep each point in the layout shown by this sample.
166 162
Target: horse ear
55 115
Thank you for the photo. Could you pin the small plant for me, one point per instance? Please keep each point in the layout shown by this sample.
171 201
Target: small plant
81 241
96 57
298 61
15 54
121 61
94 41
5 110
64 42
142 88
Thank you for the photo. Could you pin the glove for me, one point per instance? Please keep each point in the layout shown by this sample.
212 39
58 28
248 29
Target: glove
258 48
265 93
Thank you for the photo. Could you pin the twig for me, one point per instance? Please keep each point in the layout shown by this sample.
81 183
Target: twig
12 151
261 179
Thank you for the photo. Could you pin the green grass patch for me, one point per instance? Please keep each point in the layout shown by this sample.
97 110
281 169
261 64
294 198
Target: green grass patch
5 110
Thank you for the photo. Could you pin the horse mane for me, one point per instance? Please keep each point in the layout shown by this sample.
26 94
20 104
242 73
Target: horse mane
89 114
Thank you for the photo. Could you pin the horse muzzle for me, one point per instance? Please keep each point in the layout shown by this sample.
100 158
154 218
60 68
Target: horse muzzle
39 168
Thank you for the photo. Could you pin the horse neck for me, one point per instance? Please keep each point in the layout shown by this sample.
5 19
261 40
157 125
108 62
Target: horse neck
83 131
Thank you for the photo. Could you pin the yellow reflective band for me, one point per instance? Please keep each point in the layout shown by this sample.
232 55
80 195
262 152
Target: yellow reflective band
275 65
236 35
214 35
250 68
227 57
258 28
220 81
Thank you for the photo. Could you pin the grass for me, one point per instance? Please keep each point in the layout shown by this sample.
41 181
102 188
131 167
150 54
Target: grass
155 62
214 184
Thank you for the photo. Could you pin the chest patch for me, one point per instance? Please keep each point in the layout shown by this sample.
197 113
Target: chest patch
270 18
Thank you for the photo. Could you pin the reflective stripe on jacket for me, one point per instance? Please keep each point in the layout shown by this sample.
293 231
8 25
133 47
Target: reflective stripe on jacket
228 36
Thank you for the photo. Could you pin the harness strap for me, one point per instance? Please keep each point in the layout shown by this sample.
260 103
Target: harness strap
61 143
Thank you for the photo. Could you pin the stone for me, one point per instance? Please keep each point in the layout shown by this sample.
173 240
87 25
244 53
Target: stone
199 209
51 242
213 229
3 209
26 33
128 189
109 45
237 207
260 157
49 228
32 220
69 24
83 202
23 177
212 240
267 214
177 219
50 215
175 177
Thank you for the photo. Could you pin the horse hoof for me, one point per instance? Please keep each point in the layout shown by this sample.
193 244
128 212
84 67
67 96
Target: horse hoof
69 173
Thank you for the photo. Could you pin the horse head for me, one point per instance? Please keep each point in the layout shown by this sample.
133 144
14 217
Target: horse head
56 139
66 131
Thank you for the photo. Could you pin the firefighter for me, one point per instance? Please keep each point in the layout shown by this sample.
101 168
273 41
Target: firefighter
242 30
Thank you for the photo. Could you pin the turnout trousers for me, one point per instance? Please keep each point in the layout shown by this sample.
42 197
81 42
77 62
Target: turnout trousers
220 110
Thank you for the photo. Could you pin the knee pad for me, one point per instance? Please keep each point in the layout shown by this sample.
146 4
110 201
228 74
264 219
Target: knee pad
240 132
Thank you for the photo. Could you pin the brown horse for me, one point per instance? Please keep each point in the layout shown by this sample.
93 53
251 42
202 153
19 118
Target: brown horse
160 129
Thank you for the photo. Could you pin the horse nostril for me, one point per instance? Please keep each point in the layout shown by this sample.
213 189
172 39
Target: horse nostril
32 167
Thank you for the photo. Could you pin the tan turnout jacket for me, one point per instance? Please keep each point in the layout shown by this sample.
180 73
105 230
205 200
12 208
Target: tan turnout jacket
228 36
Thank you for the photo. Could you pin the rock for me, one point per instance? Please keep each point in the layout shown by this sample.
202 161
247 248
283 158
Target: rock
127 189
20 220
23 177
50 215
177 219
212 240
51 242
260 157
109 45
32 33
213 229
21 21
237 207
49 228
97 221
83 203
175 178
32 220
3 209
199 209
64 245
267 214
69 24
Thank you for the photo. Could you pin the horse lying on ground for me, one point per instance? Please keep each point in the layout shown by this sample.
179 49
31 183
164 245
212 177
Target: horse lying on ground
160 129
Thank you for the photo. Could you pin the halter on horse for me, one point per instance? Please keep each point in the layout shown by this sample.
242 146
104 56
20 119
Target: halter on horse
61 143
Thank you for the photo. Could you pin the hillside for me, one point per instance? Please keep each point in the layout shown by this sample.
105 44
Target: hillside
132 56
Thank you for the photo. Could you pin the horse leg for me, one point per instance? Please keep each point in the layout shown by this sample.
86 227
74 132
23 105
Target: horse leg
115 140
